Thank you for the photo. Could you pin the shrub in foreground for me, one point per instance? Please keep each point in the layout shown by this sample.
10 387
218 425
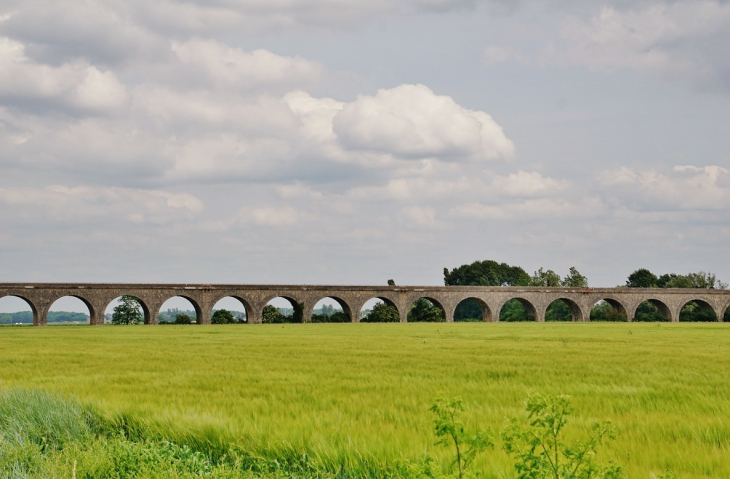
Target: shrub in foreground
540 452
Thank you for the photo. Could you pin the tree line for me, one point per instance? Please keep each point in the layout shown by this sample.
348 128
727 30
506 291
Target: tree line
26 317
491 273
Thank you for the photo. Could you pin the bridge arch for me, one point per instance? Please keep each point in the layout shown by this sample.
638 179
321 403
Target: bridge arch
297 307
468 306
509 313
33 309
199 319
609 309
564 309
93 313
389 312
146 316
248 310
697 310
344 305
652 310
426 309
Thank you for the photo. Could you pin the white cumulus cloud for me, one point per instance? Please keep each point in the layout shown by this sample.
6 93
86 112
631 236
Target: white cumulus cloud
77 85
228 67
411 121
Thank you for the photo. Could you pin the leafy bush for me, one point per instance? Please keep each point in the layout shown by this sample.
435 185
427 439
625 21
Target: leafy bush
648 313
183 319
223 316
382 313
558 311
603 311
336 317
693 312
468 310
514 311
539 450
425 311
450 431
271 315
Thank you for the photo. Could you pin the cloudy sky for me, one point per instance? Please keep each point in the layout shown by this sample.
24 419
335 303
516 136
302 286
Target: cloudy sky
353 141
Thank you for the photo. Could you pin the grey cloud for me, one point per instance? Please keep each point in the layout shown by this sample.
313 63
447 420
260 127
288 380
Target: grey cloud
97 31
679 190
74 205
681 40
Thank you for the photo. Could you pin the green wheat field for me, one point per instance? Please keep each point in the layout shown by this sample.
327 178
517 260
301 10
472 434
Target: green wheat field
353 393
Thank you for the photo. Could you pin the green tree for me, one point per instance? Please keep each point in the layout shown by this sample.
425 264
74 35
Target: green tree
128 311
271 315
450 430
391 282
603 311
486 273
298 314
558 311
649 313
468 310
222 316
547 278
642 278
339 317
676 281
693 312
701 280
382 313
183 318
514 311
424 311
540 451
335 317
574 279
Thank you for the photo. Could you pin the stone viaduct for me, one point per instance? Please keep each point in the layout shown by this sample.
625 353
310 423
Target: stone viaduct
97 297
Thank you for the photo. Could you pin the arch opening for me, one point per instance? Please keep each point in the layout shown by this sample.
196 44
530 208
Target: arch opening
331 310
179 310
517 309
652 311
608 310
426 310
70 310
230 310
471 310
726 316
563 309
379 310
18 311
127 309
697 311
282 310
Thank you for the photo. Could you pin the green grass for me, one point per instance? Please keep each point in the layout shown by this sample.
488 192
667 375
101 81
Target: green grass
348 393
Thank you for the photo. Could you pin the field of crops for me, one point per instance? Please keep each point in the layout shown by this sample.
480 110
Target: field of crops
348 392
